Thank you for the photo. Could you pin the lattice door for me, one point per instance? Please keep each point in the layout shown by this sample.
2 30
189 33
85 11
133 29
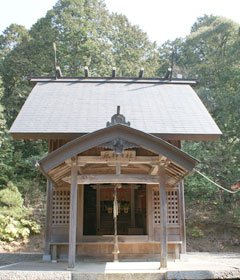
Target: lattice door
60 207
172 205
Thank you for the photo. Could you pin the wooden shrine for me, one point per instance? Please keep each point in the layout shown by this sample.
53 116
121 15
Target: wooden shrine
115 188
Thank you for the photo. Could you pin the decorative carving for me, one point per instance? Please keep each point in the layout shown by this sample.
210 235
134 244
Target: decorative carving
118 119
119 145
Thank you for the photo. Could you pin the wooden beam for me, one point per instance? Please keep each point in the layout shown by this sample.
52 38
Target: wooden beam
97 159
73 217
154 170
163 218
115 179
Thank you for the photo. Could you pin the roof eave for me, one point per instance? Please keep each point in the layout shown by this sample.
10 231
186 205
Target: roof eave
101 136
71 136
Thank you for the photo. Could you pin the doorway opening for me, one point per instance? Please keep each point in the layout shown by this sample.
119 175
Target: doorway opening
98 209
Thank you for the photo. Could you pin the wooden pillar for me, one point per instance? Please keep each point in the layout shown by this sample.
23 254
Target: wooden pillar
48 222
150 213
98 208
132 206
115 214
182 217
163 218
73 217
80 212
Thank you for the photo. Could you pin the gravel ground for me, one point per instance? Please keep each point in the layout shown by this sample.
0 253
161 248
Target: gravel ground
10 258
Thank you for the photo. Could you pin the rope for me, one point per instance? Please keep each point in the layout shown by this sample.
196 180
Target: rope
211 181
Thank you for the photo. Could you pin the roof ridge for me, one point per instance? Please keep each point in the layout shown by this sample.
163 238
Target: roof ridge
113 80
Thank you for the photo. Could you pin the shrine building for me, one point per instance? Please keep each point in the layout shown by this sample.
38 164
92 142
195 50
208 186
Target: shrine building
115 167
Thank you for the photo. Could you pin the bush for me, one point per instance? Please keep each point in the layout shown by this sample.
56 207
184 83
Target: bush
196 232
15 220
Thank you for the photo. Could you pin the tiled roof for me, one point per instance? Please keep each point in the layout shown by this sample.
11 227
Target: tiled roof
70 107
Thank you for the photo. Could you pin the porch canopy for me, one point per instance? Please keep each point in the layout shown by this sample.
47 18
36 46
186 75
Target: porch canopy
117 154
57 165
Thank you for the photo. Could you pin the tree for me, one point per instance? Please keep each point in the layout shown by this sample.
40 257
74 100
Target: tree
131 48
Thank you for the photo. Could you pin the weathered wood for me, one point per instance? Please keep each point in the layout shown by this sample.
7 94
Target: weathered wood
115 214
80 211
132 206
100 159
176 251
110 134
182 217
118 169
150 213
48 220
98 208
115 211
54 253
154 170
114 179
73 217
163 217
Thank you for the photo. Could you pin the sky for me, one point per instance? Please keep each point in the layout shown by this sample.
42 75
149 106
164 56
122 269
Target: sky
162 20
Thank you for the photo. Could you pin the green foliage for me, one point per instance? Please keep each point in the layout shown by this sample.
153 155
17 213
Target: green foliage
12 228
15 220
11 197
196 232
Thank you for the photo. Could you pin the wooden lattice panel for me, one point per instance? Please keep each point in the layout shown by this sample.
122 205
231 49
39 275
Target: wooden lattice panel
60 207
156 207
172 205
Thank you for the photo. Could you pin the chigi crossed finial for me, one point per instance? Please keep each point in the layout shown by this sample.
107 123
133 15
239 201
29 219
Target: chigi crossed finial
118 119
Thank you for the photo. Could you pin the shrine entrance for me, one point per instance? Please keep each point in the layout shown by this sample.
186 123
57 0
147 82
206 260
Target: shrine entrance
113 178
98 209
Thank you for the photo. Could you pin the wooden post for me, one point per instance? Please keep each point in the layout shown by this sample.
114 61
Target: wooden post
80 211
98 208
150 213
182 217
48 223
73 217
132 206
54 253
115 214
163 217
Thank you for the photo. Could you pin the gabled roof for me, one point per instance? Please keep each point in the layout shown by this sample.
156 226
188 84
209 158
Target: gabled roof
68 108
180 163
